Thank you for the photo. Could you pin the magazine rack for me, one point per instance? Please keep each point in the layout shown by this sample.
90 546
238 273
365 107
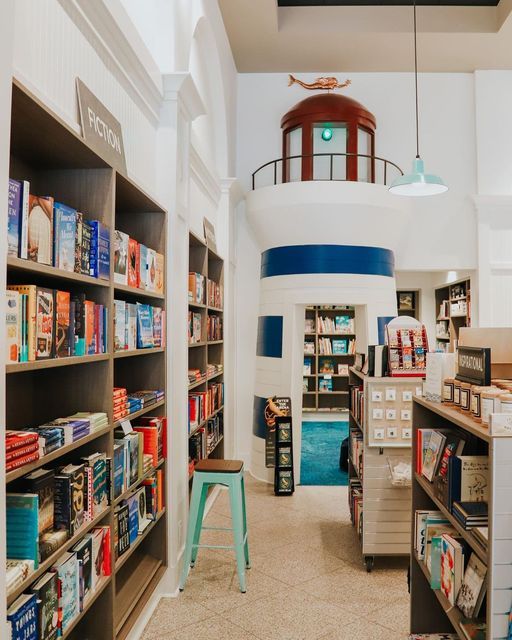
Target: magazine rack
407 347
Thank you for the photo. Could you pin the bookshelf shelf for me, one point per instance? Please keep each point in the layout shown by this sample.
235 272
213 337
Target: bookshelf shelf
103 584
215 375
197 344
138 352
53 363
430 611
44 566
141 412
137 484
210 342
197 384
34 268
139 293
54 455
121 561
216 309
56 161
196 305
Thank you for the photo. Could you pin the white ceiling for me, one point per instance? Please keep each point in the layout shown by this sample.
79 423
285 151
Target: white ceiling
265 38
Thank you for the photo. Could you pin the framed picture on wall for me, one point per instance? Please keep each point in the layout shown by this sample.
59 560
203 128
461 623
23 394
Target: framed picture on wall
405 300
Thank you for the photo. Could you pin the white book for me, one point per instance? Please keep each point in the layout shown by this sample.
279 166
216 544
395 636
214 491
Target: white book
24 220
472 591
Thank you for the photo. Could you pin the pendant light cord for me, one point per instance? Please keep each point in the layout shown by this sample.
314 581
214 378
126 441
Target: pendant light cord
416 85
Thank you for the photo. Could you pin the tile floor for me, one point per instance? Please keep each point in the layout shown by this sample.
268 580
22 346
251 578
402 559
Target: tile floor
307 580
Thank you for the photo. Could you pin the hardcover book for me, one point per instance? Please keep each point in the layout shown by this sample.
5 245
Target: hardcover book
144 326
160 273
285 481
42 483
157 327
143 266
151 270
98 463
100 250
64 220
452 567
468 479
122 523
86 248
472 591
432 457
22 511
96 536
23 616
133 517
46 592
133 263
119 325
119 470
120 257
44 323
143 520
83 552
78 242
131 326
13 326
40 229
62 332
70 498
79 321
69 594
14 217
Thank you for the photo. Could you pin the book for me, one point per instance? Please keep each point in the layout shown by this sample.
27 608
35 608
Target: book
473 588
44 323
452 567
50 541
96 537
325 384
99 263
339 347
121 530
434 526
83 550
143 520
78 303
62 347
13 326
133 517
90 334
46 592
98 463
119 325
29 323
143 266
70 498
22 515
118 471
78 242
68 573
158 318
468 479
435 562
131 326
42 483
120 257
144 326
160 273
23 617
14 217
85 252
433 453
133 262
40 229
151 270
64 233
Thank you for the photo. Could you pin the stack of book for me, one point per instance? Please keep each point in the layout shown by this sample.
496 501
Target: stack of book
136 265
214 328
148 397
196 288
147 463
21 448
196 375
138 326
52 233
340 324
45 323
215 294
51 438
471 514
73 429
153 430
120 397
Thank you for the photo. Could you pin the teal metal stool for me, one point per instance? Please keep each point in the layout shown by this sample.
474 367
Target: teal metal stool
229 473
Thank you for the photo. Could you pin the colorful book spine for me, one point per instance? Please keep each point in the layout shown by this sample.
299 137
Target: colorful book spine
64 221
14 216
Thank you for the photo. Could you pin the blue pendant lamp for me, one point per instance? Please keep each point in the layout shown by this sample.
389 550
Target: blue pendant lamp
417 183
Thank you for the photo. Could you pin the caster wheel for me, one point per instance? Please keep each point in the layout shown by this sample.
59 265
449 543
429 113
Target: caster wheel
369 562
181 590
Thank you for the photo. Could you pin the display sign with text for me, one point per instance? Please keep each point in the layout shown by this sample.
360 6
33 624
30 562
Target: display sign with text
474 365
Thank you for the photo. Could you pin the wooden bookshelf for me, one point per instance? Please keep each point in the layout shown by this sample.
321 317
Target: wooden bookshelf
430 610
206 262
56 161
314 399
453 311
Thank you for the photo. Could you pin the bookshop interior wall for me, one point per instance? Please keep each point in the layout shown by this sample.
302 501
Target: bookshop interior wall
193 132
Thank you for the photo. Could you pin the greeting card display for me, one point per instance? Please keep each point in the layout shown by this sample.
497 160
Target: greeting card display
407 347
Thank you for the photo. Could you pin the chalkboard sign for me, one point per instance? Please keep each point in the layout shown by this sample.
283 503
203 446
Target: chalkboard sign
474 365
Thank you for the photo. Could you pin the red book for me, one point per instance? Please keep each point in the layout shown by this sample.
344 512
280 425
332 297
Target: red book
150 441
97 328
107 563
89 327
160 490
16 439
21 462
133 262
21 451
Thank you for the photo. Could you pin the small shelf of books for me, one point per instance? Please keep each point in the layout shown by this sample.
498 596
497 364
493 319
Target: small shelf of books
461 577
205 353
453 304
329 349
85 433
380 437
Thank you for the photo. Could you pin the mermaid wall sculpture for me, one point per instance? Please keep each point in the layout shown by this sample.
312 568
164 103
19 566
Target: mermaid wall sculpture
326 83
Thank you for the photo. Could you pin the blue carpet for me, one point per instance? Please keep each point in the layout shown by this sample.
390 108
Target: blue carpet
320 456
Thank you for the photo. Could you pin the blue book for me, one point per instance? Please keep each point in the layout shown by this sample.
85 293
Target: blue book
144 326
435 562
14 213
22 511
100 250
23 617
67 568
133 517
64 231
119 467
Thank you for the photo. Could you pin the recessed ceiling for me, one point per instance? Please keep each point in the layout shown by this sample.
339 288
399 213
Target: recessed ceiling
351 35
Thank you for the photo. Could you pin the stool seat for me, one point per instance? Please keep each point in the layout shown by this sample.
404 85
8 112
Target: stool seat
218 466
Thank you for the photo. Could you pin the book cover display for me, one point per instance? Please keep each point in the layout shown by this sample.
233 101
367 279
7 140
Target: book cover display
40 229
120 257
64 233
407 343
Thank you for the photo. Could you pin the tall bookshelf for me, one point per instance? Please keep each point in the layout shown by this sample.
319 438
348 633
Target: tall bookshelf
206 352
453 309
56 161
314 399
431 612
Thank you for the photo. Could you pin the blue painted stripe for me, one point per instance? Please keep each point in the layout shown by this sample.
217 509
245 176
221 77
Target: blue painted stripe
382 321
270 337
327 258
259 426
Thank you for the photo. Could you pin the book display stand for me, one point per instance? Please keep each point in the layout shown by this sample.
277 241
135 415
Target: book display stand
407 347
284 484
431 611
379 463
55 160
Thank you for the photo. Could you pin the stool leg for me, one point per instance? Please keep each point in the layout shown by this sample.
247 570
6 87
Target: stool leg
195 501
235 494
246 535
199 523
